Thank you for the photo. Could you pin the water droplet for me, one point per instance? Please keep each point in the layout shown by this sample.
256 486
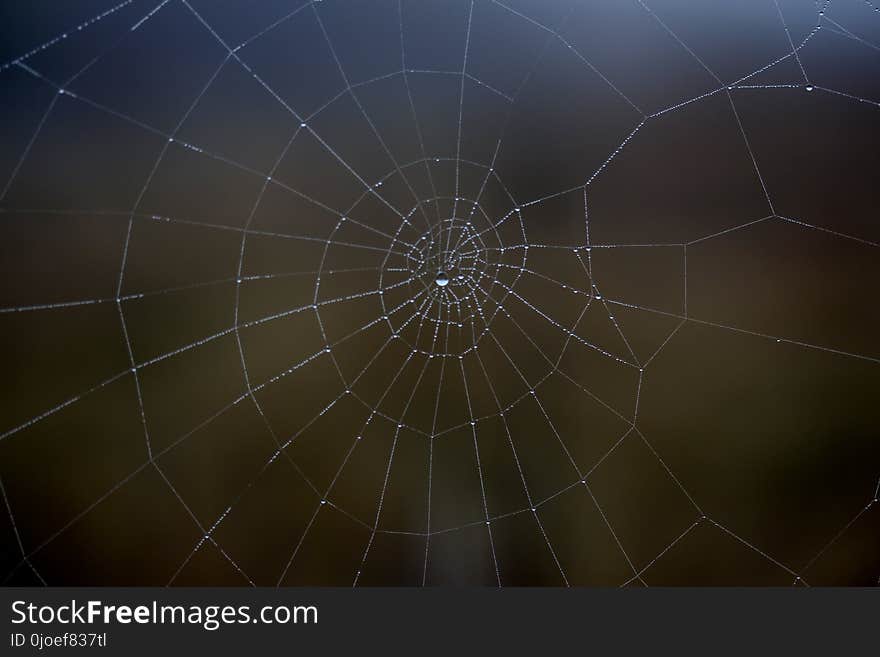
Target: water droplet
442 279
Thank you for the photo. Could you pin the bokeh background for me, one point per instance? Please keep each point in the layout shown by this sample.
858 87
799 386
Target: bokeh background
226 361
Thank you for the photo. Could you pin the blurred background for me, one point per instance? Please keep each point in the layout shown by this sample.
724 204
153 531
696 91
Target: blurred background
227 361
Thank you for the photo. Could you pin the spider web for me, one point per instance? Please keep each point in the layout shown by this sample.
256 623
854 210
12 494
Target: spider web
651 360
